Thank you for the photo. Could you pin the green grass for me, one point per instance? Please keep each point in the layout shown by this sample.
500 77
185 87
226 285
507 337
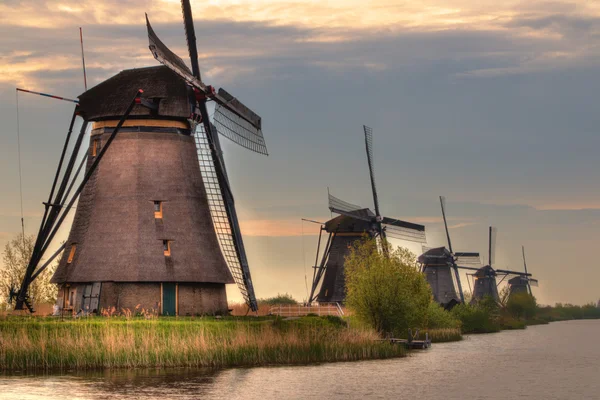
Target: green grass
39 343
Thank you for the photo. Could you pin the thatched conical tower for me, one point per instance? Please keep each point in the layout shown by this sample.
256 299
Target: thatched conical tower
142 233
484 284
437 266
347 230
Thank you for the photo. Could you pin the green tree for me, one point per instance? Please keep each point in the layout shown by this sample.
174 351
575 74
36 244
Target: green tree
385 289
521 305
15 257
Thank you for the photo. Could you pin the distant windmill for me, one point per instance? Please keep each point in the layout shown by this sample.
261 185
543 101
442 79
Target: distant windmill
352 223
439 264
485 283
522 283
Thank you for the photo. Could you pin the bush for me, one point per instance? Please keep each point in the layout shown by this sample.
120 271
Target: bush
521 306
386 291
439 318
279 299
477 318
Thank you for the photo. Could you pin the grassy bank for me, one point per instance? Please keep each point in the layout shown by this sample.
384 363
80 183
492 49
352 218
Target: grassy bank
39 343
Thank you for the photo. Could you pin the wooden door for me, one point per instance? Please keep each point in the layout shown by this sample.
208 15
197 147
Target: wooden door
169 299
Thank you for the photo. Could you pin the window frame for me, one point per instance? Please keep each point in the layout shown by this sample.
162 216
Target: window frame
158 214
72 253
166 247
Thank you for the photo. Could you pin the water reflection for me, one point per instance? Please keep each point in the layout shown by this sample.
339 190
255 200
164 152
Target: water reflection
557 361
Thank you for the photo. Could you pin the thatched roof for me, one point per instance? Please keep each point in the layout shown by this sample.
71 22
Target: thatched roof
436 256
117 236
333 288
345 224
110 98
486 271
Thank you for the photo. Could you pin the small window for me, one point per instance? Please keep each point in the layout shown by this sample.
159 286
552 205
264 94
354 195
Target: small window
72 253
158 209
95 147
167 247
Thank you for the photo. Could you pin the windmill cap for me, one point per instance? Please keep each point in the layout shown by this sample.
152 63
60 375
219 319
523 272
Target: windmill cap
109 99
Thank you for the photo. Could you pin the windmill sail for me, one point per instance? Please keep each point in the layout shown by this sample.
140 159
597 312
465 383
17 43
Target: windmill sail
166 57
369 148
398 229
238 129
492 246
340 206
394 228
464 258
222 210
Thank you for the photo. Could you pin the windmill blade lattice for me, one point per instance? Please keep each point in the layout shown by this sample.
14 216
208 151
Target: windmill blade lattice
463 258
239 130
533 282
218 211
166 57
340 206
398 229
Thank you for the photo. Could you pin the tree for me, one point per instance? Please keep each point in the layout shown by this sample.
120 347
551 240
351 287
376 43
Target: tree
521 305
15 257
386 291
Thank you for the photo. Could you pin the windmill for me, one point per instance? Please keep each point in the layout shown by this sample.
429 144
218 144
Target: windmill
440 266
522 283
485 284
352 223
156 223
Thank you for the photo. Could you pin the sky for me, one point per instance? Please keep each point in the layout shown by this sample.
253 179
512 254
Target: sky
491 104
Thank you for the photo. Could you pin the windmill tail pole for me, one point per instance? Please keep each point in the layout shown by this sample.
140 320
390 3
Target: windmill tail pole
48 95
23 297
83 58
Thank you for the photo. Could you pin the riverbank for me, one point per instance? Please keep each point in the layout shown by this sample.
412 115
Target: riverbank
46 343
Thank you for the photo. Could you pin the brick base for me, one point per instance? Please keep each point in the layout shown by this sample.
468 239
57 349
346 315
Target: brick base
193 298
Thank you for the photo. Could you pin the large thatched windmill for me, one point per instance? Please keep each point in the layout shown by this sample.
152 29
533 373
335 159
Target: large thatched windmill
328 284
156 224
440 266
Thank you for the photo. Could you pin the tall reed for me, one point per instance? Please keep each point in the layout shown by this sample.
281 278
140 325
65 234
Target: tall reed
36 343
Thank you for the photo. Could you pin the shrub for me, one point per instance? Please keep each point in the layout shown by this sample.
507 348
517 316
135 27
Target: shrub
279 299
385 289
439 318
477 318
521 306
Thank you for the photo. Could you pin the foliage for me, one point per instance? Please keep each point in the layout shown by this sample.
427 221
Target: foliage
279 299
439 318
386 289
477 318
97 342
15 257
562 312
521 305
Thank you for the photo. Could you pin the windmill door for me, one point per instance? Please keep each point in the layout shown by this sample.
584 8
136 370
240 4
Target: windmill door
169 299
91 297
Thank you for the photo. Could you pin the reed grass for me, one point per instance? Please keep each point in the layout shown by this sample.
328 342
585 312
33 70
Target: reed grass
39 343
444 335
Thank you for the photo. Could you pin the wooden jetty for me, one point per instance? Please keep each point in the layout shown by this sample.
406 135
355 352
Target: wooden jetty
412 343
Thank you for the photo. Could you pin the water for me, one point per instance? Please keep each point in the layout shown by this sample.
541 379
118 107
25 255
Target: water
556 361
